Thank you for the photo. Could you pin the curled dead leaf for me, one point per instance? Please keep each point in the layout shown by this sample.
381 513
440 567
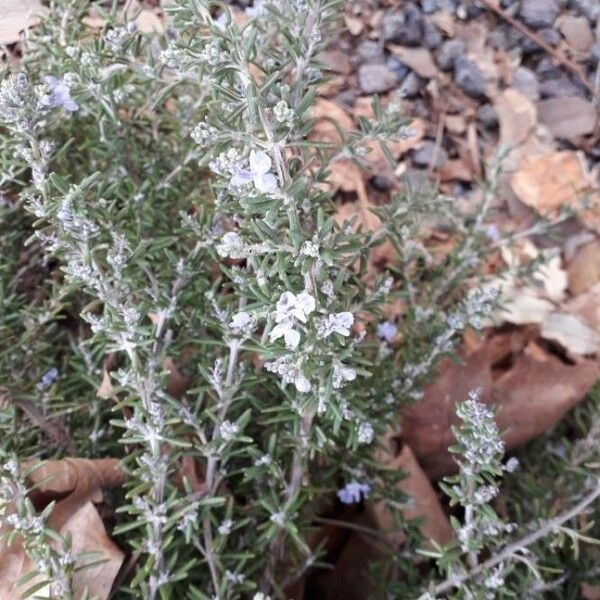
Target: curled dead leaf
532 388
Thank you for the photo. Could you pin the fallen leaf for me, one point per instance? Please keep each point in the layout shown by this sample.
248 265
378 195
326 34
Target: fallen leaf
105 389
353 24
81 481
550 182
568 117
584 268
424 505
149 22
418 59
517 117
16 16
531 387
571 333
576 31
590 592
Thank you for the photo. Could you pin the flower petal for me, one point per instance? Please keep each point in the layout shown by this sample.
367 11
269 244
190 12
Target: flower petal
260 162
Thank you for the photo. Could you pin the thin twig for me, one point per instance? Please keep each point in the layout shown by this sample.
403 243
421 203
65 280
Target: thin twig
556 54
526 541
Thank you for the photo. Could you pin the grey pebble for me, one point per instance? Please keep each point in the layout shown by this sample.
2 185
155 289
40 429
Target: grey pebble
487 116
526 82
411 86
560 87
588 8
398 67
405 28
539 13
431 6
468 77
376 79
449 52
432 38
423 156
369 51
595 53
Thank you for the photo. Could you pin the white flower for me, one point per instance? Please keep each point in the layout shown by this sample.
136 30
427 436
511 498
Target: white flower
512 464
231 246
287 331
290 372
299 307
336 323
342 373
365 433
260 596
259 173
278 518
352 492
225 527
290 308
243 322
228 430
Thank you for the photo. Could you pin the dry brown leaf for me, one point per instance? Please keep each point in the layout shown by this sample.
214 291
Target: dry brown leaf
532 388
586 306
105 390
571 333
517 117
590 592
354 24
418 59
584 269
553 181
149 22
16 16
81 480
424 504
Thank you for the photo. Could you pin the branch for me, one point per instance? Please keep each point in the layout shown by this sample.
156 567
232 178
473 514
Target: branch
512 549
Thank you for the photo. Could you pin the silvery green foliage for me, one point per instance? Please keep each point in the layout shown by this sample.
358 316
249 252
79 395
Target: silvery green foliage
486 560
180 215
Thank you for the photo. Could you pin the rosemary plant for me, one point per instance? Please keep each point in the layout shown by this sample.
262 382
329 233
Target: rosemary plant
165 219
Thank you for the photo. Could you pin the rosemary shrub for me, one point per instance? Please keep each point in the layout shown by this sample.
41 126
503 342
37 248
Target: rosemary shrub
164 215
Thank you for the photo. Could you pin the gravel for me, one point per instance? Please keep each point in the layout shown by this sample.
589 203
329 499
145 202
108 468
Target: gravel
398 67
560 87
423 156
404 28
487 116
526 82
432 38
538 14
411 86
369 51
376 79
589 8
468 77
449 52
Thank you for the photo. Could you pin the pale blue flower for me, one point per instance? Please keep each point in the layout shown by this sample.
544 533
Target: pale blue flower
48 379
61 94
353 492
387 331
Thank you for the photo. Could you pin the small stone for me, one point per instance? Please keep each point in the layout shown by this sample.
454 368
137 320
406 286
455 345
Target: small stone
379 183
589 8
487 116
468 77
449 52
577 32
432 38
595 53
497 39
398 67
376 79
538 14
550 36
369 51
560 87
546 69
411 86
404 28
423 156
431 6
526 82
